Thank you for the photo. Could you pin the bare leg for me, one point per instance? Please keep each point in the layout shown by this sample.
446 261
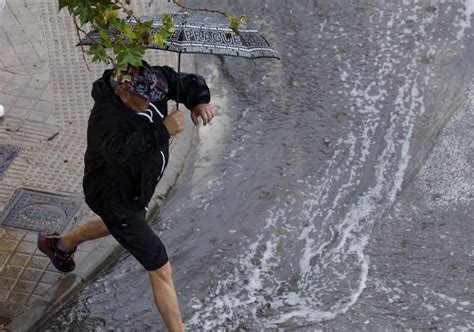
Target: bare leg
165 297
93 228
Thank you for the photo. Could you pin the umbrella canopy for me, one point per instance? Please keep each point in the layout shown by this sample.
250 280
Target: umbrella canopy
196 33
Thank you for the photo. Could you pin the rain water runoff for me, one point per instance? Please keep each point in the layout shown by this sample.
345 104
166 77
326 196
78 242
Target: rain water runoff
334 188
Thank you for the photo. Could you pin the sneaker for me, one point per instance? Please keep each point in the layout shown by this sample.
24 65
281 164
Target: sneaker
47 244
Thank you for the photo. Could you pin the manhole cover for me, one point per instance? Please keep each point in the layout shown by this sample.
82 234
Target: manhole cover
35 210
7 154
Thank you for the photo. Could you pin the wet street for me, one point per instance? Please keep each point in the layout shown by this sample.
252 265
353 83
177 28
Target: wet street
334 189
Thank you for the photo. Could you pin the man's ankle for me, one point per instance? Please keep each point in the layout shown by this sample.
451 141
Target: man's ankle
62 246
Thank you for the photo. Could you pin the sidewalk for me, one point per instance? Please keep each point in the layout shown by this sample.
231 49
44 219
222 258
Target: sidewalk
45 88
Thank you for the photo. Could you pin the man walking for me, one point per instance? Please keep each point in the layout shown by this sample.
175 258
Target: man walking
127 152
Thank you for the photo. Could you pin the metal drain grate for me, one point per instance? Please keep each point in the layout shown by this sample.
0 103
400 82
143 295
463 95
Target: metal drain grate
7 154
37 211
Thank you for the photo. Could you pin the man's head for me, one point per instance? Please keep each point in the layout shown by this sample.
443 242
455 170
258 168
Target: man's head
136 86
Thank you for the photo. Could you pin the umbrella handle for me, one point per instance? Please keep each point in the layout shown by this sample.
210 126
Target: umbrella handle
179 81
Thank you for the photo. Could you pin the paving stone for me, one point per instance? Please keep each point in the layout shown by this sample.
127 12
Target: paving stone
8 245
8 94
50 277
8 101
4 256
18 298
19 259
3 295
26 103
19 7
51 268
31 237
31 114
89 246
25 287
19 112
41 50
7 154
79 256
26 54
3 36
30 274
20 80
42 288
7 283
25 19
6 76
26 247
10 271
28 69
34 93
14 234
39 262
10 59
41 83
34 299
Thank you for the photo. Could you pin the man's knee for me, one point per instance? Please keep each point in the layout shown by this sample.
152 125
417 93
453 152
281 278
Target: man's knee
164 272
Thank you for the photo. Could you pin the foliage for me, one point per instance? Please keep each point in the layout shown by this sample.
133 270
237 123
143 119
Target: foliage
128 44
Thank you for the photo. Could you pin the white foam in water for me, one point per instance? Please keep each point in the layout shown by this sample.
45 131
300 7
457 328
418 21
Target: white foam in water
331 265
467 13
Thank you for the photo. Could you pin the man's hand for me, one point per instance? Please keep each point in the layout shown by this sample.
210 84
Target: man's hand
204 111
174 122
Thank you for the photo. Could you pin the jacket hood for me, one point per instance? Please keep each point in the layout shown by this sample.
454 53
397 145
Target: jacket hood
101 89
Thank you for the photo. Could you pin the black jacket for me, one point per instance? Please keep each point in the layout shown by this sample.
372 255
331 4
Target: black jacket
127 152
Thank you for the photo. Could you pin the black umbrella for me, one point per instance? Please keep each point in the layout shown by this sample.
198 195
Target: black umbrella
195 33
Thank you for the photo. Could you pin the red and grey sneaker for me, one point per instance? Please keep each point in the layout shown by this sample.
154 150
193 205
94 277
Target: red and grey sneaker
48 245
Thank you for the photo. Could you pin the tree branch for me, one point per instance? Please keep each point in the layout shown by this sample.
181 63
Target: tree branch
179 4
79 38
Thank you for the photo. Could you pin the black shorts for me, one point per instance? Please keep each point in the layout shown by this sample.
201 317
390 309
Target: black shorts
137 237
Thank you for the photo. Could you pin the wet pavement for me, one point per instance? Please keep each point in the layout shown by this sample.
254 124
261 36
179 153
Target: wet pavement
333 190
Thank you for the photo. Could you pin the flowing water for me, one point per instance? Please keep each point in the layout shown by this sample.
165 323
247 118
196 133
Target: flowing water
272 222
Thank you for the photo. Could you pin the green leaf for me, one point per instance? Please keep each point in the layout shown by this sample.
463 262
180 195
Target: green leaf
234 24
119 46
130 56
140 48
142 27
115 24
118 24
129 33
99 53
109 14
157 39
105 38
167 21
83 13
